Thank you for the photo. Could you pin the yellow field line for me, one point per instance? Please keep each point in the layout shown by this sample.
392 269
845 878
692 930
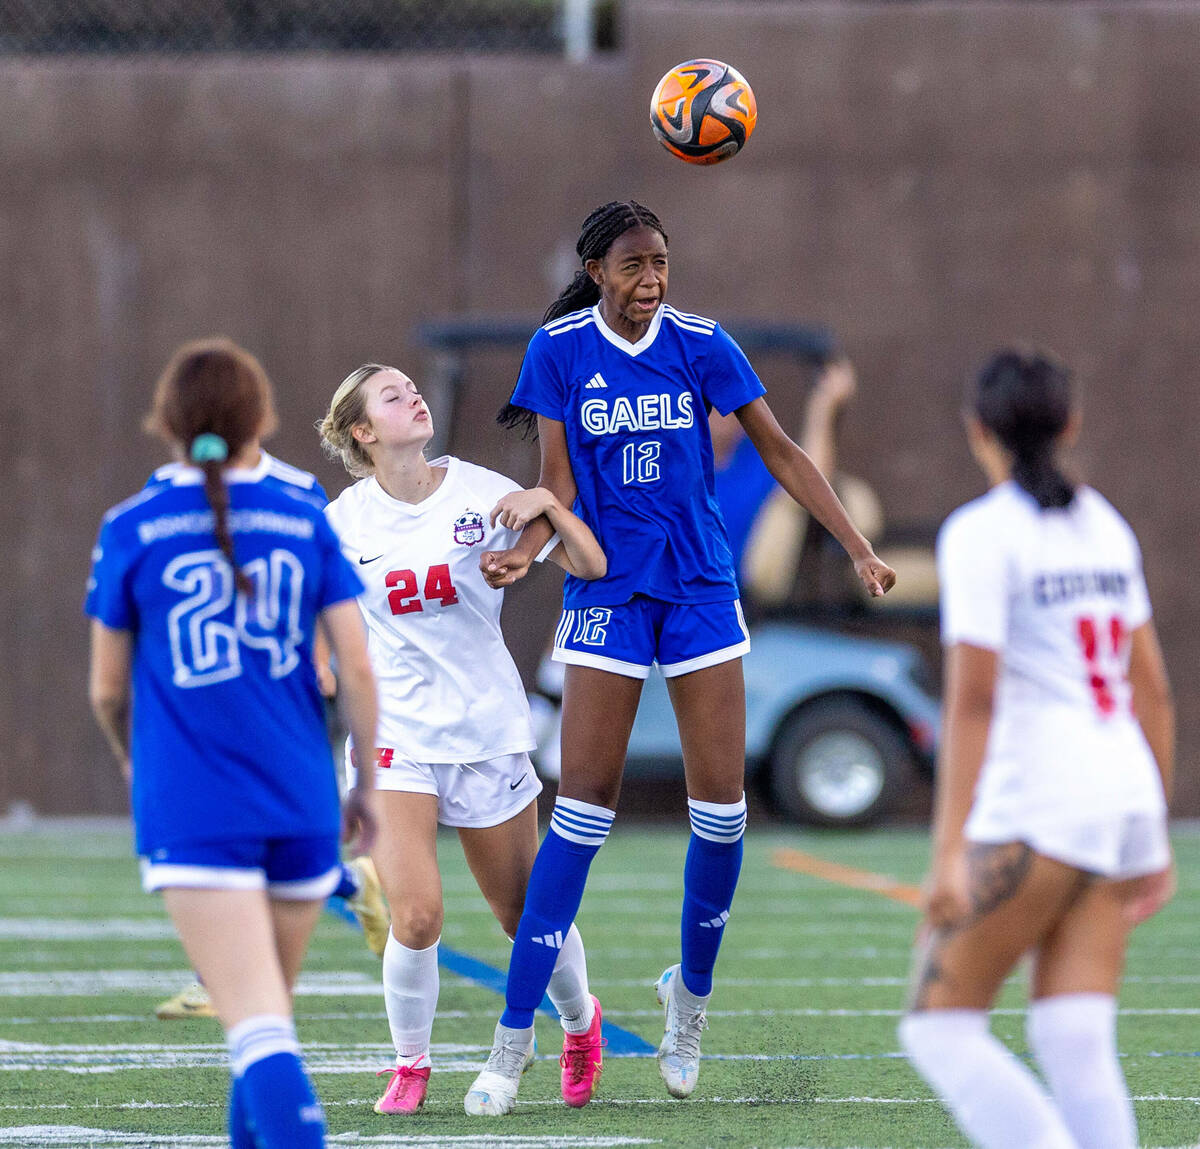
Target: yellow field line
802 863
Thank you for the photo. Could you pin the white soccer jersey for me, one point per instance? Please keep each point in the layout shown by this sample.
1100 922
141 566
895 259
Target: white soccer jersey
448 688
1056 593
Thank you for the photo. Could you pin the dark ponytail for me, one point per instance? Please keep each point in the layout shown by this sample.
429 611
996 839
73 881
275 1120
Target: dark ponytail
212 399
581 292
1024 399
209 452
600 230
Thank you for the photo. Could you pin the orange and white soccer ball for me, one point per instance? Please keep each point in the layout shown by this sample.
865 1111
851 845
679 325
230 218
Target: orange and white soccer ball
703 111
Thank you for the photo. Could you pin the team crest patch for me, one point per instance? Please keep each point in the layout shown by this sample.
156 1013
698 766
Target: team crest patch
468 528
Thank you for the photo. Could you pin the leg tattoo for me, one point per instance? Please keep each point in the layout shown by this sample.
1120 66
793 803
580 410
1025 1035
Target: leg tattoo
929 971
995 874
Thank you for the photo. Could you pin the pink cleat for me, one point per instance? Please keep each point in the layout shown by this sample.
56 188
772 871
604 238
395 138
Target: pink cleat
581 1062
406 1090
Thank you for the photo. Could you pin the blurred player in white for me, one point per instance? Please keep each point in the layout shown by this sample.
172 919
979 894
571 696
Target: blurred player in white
1050 833
455 732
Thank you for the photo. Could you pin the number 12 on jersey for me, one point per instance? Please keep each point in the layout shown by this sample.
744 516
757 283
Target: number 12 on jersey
639 462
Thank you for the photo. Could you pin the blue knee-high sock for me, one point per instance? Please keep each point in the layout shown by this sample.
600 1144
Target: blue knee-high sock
241 1135
577 831
710 875
272 1087
347 886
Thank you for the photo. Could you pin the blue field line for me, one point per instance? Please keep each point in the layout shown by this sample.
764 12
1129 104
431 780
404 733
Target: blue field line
621 1043
340 909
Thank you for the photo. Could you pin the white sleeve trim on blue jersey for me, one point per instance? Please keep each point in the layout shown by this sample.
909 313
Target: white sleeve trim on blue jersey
289 473
694 323
131 502
571 322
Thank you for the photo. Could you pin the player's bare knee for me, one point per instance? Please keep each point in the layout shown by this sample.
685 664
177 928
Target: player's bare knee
508 914
417 924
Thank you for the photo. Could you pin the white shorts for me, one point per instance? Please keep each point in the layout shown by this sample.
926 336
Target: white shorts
469 794
1126 845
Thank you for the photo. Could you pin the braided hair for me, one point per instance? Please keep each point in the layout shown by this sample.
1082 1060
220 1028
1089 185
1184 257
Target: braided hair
599 232
212 398
1024 399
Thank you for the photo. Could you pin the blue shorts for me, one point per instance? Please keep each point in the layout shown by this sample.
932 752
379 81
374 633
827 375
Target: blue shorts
630 638
291 869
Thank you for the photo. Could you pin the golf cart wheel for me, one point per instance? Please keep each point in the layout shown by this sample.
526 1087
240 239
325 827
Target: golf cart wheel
837 762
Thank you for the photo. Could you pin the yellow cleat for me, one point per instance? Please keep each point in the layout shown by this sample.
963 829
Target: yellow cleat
190 1002
368 905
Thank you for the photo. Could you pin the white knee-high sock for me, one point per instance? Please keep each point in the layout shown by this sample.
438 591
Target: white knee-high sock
1074 1038
568 987
410 994
996 1101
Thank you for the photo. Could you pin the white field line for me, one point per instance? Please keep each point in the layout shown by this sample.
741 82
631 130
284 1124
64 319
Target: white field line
468 1015
97 982
328 1057
866 982
72 1136
43 982
599 1102
83 929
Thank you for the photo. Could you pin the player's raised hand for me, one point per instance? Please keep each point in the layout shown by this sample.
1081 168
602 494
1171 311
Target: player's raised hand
837 382
518 508
503 568
875 575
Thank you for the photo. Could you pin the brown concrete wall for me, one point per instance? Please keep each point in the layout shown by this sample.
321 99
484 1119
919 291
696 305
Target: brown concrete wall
928 179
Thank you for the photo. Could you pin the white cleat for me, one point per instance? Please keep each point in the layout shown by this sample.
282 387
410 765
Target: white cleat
679 1053
494 1092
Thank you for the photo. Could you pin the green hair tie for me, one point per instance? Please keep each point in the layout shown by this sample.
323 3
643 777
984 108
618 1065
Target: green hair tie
209 448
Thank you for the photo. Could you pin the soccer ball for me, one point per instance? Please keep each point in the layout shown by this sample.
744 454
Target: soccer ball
703 111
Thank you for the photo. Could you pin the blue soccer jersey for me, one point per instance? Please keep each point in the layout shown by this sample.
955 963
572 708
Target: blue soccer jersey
637 433
228 737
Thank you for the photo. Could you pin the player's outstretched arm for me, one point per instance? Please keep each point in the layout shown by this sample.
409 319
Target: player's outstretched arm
503 568
109 689
799 476
577 550
359 705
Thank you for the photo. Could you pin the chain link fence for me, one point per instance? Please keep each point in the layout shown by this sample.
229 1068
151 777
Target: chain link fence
189 26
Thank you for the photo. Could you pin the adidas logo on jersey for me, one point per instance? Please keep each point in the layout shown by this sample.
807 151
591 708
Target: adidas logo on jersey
716 923
595 383
554 940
